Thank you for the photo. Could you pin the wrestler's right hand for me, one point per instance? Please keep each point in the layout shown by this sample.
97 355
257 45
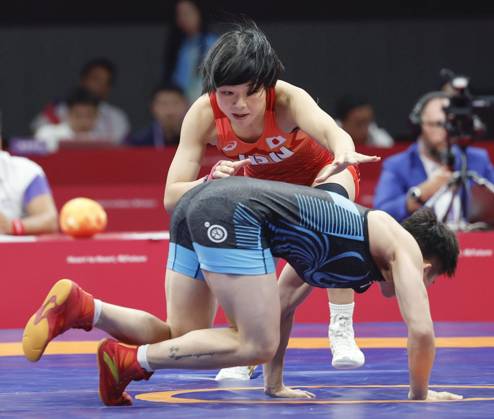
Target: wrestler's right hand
226 168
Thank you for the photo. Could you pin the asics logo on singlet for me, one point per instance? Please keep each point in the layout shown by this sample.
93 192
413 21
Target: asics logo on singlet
216 233
274 157
232 145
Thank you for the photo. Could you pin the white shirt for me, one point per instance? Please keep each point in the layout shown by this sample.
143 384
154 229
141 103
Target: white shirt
112 123
52 134
376 137
379 137
16 174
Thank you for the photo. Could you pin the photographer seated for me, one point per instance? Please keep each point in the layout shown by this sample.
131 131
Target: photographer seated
419 175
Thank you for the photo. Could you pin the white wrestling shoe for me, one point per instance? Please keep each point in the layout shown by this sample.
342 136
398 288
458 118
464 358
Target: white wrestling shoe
346 353
236 373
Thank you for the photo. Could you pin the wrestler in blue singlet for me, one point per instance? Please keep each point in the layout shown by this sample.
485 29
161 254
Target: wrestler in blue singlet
236 225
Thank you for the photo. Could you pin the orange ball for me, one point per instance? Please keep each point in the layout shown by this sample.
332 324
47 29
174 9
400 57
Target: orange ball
82 217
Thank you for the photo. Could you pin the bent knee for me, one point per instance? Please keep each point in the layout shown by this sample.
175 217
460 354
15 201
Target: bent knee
261 352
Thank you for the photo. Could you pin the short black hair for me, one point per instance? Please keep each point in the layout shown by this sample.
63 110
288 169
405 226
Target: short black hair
81 96
242 55
346 104
435 239
99 62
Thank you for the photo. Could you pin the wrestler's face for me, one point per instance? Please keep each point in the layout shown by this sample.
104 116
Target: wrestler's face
239 106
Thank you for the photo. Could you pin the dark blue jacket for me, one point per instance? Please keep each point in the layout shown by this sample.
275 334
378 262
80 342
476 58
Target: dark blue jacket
151 136
405 169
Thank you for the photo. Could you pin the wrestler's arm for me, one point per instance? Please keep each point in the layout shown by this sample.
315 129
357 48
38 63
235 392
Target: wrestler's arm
273 371
407 272
183 171
310 118
292 293
387 289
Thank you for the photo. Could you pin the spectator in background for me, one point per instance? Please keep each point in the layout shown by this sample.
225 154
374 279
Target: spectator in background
356 116
97 76
26 203
81 119
168 108
186 45
411 178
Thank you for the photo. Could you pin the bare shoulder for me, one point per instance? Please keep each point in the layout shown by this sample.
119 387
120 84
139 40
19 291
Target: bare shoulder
285 91
387 236
202 109
286 96
381 217
200 119
384 234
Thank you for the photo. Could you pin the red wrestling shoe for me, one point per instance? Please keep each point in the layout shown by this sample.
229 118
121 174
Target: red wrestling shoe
66 306
118 366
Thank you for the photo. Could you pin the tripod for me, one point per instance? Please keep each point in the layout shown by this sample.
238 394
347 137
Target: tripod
458 186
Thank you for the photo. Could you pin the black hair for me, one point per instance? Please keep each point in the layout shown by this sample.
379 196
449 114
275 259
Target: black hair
81 96
176 37
435 239
167 87
346 104
99 62
242 55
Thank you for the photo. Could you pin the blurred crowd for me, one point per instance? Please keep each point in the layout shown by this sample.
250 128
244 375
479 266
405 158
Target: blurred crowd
421 175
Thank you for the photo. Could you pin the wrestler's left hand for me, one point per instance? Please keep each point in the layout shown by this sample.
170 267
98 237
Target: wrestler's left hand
342 161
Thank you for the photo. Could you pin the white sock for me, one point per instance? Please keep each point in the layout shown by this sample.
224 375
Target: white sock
346 309
142 357
98 305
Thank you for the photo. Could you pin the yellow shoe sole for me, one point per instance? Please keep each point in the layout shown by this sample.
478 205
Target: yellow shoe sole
37 330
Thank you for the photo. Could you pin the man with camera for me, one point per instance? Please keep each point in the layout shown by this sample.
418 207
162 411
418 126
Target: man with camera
425 173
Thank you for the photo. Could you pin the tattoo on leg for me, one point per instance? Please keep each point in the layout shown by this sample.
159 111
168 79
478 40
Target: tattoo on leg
174 354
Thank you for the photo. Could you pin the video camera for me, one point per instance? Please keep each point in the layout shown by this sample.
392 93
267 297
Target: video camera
463 121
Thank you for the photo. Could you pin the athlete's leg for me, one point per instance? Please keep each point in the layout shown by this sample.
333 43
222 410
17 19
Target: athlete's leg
182 293
68 306
190 306
346 353
238 373
346 178
252 302
128 325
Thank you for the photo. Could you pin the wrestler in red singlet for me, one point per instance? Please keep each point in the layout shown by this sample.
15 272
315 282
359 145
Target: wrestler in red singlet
277 155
